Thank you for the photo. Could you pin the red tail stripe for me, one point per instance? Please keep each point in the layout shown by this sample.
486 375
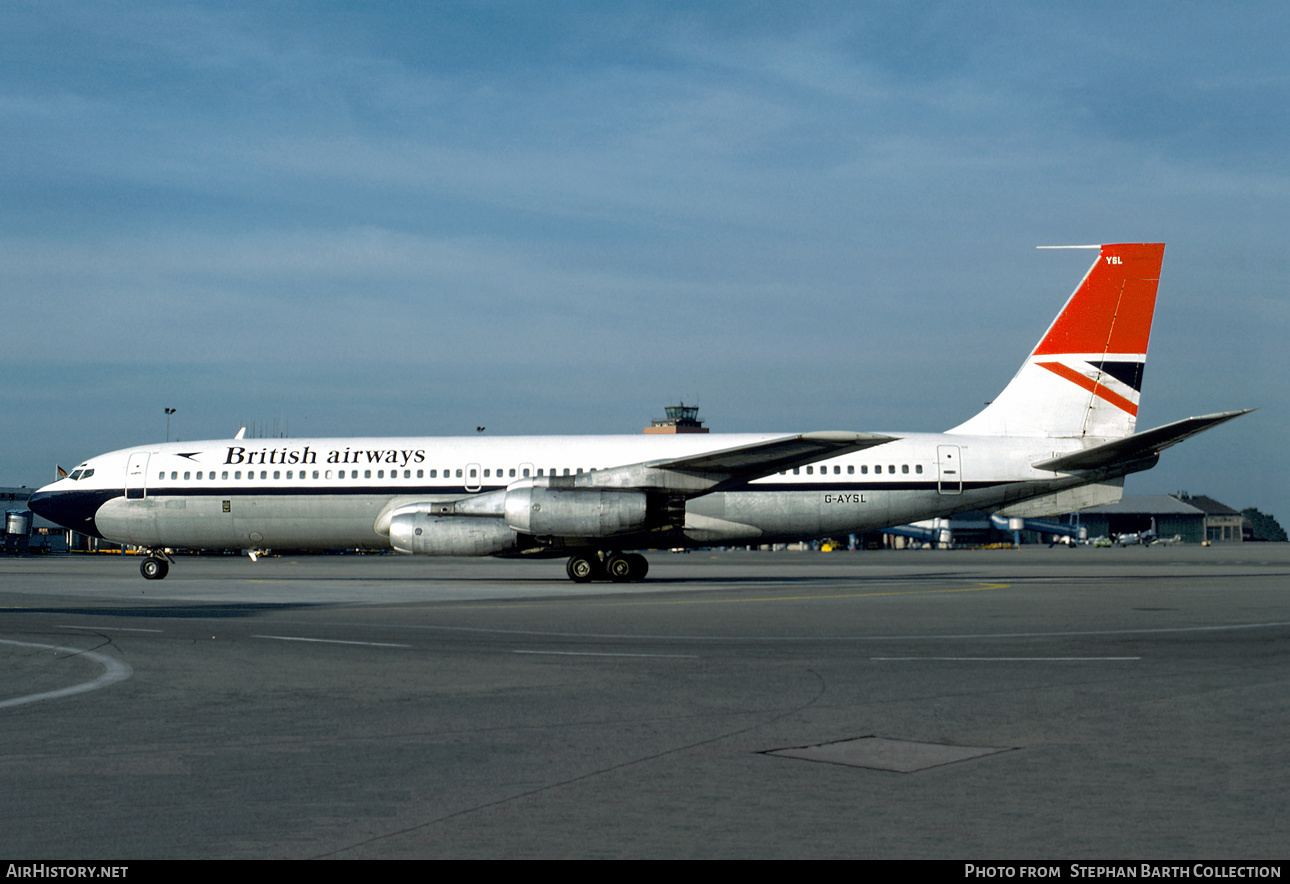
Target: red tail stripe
1111 310
1091 385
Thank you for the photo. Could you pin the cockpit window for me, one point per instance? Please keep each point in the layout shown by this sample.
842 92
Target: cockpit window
76 474
80 473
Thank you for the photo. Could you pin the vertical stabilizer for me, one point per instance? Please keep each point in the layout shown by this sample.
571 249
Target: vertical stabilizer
1085 376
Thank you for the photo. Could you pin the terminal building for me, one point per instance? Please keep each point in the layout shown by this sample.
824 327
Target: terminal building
1178 518
1191 518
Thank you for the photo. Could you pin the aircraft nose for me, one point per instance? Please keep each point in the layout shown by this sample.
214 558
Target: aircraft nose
71 509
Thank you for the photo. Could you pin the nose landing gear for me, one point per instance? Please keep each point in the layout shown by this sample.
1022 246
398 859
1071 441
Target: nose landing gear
154 567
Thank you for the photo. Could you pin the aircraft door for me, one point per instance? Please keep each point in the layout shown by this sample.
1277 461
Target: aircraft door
136 476
949 471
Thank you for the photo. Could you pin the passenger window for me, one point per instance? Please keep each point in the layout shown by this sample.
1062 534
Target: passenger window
566 471
277 474
367 474
918 468
264 474
512 472
224 475
160 475
174 476
526 472
810 471
472 474
421 474
864 469
315 474
851 469
458 474
797 471
434 474
237 475
904 468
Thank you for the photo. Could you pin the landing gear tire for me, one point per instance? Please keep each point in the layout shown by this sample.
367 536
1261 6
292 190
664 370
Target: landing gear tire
153 568
626 567
583 569
620 568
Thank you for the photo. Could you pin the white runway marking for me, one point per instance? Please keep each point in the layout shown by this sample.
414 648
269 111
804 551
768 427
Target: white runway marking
330 641
603 654
113 671
1017 659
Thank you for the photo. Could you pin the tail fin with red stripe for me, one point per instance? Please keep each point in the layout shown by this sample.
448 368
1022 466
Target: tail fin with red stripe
1085 376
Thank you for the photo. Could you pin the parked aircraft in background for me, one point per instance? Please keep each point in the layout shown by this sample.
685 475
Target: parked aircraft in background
1060 437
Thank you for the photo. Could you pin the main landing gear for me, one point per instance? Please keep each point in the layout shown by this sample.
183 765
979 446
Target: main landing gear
154 567
615 566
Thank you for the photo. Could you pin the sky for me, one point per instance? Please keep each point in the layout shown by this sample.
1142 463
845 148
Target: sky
336 218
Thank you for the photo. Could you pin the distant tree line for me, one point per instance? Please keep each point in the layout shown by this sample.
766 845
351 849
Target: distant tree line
1265 526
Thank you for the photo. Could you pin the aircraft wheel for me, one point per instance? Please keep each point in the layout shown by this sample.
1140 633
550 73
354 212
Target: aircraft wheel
640 566
153 568
621 568
582 569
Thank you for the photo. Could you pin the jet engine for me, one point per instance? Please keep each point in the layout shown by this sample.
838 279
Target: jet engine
574 512
431 534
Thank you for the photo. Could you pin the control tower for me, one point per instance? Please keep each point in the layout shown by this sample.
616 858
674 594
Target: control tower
680 419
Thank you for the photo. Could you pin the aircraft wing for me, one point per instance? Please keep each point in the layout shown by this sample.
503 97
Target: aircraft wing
1137 446
748 462
682 476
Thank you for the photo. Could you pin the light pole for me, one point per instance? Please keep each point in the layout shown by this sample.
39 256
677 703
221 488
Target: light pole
169 412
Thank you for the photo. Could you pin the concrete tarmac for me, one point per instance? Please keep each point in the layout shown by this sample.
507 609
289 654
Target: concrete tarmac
1037 703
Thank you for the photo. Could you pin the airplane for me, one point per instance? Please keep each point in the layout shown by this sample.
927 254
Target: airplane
1059 438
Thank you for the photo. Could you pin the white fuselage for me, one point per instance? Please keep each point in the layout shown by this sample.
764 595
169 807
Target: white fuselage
332 493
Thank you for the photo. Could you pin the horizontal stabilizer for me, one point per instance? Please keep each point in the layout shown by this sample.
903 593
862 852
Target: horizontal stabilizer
1137 446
